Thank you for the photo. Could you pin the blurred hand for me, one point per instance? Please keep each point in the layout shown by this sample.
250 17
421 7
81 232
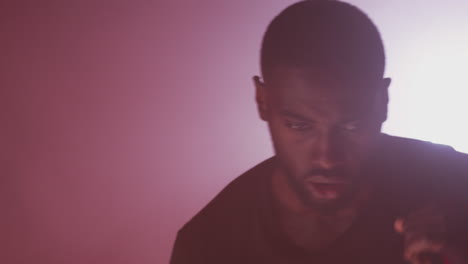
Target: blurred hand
424 234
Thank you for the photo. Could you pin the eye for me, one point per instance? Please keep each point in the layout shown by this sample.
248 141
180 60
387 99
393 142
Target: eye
299 126
351 126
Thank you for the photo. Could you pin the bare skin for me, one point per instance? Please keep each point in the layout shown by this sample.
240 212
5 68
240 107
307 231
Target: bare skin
309 229
421 248
322 131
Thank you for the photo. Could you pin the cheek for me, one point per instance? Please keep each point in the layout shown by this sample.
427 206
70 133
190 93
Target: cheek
359 149
291 149
284 138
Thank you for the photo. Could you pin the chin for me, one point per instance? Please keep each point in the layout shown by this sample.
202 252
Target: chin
328 205
316 202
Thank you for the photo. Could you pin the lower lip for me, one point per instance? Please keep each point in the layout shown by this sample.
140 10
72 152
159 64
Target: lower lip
327 191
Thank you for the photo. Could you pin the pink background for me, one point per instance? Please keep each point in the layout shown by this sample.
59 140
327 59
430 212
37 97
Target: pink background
121 119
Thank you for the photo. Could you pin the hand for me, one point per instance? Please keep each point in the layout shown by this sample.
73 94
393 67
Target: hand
424 236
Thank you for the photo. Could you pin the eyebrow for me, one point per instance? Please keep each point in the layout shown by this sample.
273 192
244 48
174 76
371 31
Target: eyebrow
295 115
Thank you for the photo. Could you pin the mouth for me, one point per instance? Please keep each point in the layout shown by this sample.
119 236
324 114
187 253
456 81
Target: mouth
327 190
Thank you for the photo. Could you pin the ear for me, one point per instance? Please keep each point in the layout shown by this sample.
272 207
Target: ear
383 99
261 97
385 86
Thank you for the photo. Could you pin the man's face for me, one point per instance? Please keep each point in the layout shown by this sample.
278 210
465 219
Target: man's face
323 130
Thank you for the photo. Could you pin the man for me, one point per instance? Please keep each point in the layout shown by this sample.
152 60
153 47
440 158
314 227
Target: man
337 190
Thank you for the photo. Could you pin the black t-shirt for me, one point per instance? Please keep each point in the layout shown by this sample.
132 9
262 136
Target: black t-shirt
240 225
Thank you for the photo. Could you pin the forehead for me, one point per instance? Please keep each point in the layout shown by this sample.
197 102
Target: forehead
319 90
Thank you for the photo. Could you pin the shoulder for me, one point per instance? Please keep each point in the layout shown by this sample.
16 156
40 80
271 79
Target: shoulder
409 146
423 173
421 154
226 223
410 167
233 204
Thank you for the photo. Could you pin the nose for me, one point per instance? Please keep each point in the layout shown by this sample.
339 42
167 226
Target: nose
328 151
